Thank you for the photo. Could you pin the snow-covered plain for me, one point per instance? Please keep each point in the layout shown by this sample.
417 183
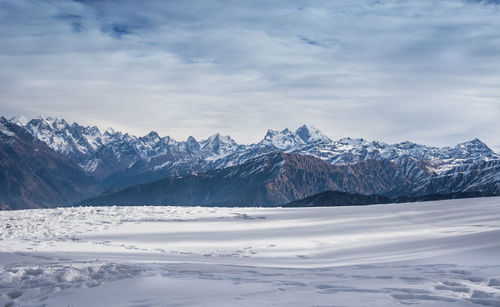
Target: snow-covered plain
444 253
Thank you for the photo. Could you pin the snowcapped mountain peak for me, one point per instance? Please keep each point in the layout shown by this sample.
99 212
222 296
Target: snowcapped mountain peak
54 122
111 135
59 135
41 121
168 140
49 122
58 123
40 117
191 140
192 143
110 131
352 142
311 134
94 130
270 133
289 140
407 144
219 139
218 145
474 148
3 127
473 143
152 136
19 120
283 140
215 137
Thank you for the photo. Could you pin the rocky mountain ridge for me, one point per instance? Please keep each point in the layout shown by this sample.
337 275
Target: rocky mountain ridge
118 161
101 154
32 175
268 180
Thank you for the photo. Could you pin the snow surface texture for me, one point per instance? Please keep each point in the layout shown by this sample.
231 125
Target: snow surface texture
444 253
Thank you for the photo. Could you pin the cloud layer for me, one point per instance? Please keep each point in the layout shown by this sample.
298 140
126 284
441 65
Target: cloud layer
426 71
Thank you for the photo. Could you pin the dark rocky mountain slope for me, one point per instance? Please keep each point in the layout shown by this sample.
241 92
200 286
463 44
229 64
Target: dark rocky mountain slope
32 175
273 179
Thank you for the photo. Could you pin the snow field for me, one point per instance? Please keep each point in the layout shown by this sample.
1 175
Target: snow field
444 253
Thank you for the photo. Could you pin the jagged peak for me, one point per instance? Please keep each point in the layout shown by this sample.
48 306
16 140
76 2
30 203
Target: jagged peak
39 120
474 141
218 138
191 143
191 140
4 129
305 127
167 140
351 141
152 134
270 133
310 133
94 130
214 137
48 121
218 145
283 140
378 144
473 145
19 120
58 123
407 143
88 129
109 131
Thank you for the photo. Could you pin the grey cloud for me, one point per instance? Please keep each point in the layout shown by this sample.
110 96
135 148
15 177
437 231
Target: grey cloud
426 71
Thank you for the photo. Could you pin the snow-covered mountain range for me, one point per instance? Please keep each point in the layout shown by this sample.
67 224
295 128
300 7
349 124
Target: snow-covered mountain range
119 160
91 148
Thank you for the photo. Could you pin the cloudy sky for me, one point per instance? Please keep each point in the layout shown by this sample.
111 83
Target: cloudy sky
425 71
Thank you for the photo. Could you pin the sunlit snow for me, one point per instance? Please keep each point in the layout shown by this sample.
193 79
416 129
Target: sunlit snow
444 253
